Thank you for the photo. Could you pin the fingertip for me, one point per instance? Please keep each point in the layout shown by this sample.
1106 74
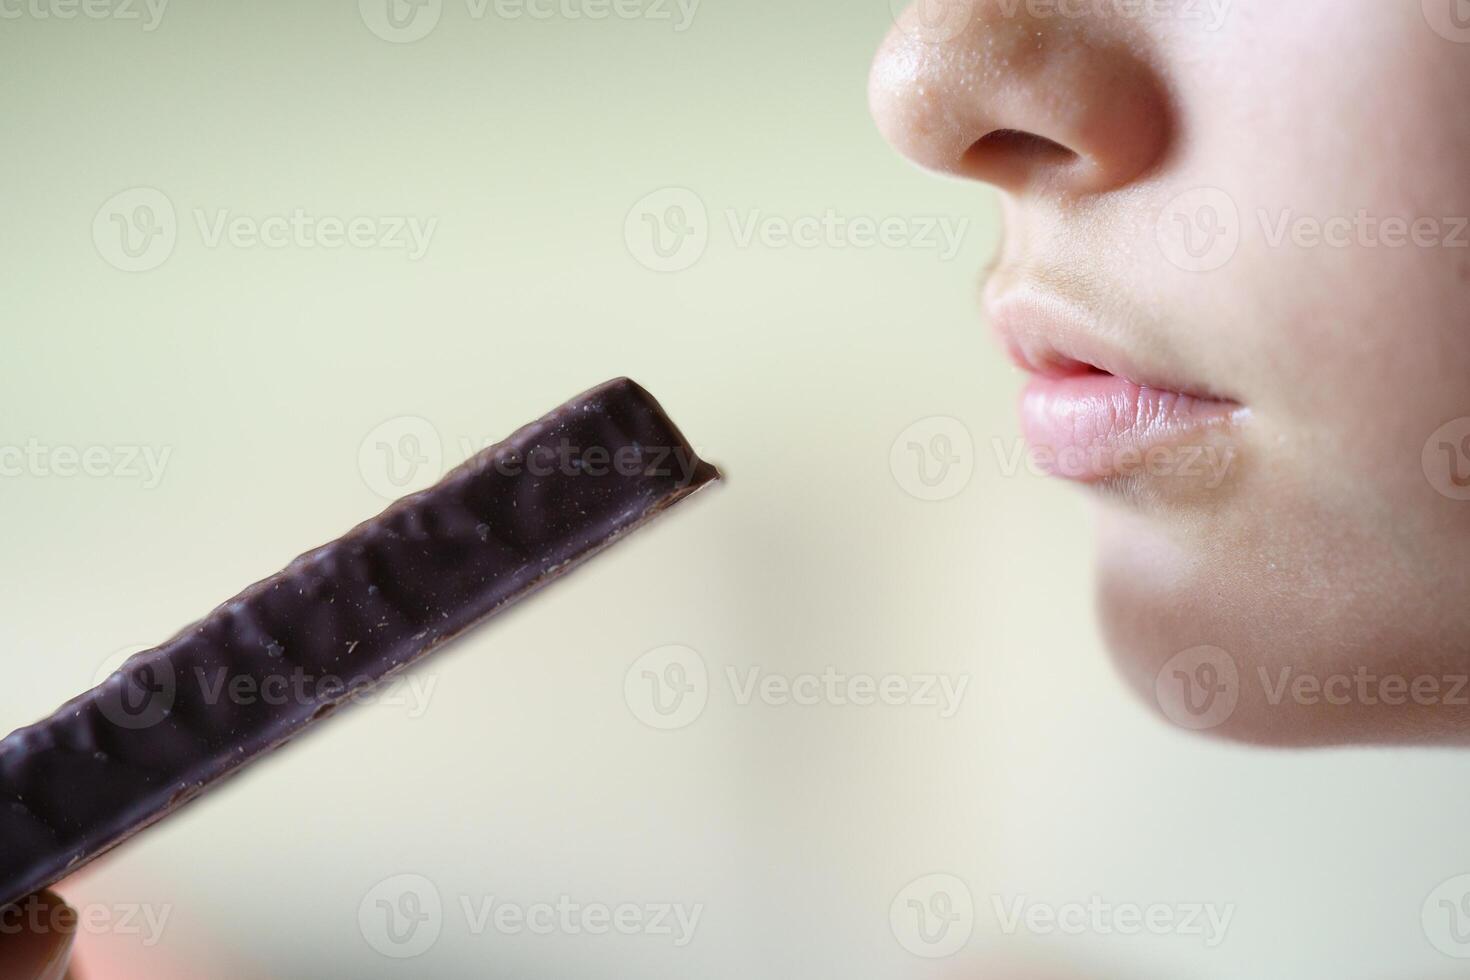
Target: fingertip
36 937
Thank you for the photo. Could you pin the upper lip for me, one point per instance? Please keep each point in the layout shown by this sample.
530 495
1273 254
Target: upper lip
1050 336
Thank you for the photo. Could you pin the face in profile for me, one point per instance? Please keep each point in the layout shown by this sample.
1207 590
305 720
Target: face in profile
1237 270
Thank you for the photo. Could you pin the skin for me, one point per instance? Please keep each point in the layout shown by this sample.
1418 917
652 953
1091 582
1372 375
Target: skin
36 945
1330 553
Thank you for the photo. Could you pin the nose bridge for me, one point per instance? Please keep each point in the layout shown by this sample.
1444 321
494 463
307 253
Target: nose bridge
1009 97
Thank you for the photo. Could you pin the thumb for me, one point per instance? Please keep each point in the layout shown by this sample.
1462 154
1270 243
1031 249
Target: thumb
36 936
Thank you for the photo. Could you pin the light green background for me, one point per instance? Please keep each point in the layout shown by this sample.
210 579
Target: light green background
262 370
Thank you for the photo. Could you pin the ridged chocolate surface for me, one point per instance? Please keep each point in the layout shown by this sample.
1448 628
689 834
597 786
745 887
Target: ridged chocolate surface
173 719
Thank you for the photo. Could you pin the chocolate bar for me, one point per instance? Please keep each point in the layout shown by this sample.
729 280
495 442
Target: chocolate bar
172 720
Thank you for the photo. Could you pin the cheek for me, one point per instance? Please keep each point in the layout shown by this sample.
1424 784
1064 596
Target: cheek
1340 141
1342 317
1309 618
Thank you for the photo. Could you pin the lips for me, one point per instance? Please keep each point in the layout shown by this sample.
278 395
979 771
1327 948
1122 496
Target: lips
1093 411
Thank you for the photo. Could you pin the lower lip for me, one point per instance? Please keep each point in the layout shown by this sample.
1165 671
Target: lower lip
1096 427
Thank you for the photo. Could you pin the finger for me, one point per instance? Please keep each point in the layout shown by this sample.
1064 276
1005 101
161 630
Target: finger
36 936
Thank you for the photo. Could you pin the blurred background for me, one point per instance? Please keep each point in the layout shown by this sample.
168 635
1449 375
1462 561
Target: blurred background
266 265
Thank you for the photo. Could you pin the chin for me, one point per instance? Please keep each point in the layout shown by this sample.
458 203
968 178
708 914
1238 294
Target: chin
1228 641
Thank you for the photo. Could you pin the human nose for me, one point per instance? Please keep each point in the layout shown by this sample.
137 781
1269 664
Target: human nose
988 90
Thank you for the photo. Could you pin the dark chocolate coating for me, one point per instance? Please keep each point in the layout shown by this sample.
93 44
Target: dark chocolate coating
167 725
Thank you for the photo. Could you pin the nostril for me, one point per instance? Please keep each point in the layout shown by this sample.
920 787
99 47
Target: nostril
1011 156
1021 142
